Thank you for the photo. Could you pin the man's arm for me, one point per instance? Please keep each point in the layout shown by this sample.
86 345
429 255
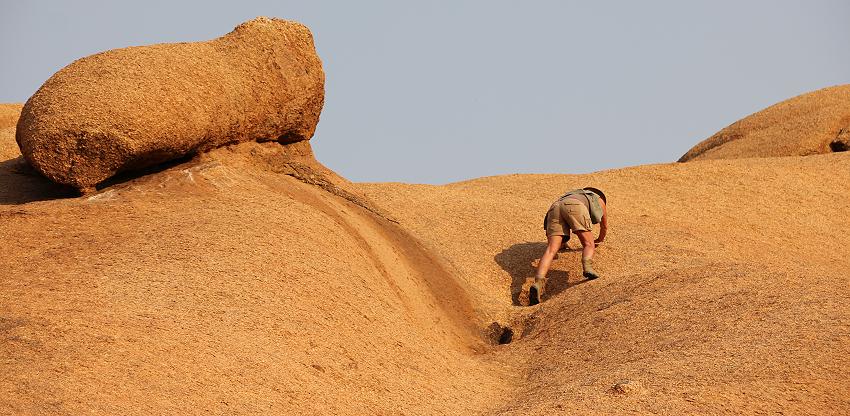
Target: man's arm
603 224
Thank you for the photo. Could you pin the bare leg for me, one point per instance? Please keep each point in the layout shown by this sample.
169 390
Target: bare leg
588 248
533 294
549 255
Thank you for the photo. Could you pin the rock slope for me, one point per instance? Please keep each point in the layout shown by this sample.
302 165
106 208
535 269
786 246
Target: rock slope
246 281
724 285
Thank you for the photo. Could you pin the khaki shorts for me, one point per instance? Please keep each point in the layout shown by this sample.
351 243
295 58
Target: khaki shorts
565 215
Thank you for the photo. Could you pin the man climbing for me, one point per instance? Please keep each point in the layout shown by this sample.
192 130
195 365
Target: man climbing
575 211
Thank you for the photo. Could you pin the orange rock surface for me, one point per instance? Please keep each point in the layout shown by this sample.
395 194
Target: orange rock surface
813 123
9 114
253 280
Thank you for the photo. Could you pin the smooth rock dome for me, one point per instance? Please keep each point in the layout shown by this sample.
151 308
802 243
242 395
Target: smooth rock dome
813 123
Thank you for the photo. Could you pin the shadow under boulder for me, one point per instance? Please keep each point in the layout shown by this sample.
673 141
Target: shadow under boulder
20 184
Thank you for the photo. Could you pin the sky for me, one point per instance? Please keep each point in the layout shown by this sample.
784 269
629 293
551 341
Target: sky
443 91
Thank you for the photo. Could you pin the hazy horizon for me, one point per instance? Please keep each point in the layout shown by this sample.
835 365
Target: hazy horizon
447 91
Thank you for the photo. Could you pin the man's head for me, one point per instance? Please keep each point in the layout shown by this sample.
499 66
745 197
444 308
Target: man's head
597 192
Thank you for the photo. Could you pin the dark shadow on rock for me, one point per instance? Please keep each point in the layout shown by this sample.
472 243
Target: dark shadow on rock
519 259
131 175
20 183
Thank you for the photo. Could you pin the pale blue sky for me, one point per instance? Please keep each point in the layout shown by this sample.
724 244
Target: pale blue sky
439 91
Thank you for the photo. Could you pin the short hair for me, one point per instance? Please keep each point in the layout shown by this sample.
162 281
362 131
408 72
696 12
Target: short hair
597 192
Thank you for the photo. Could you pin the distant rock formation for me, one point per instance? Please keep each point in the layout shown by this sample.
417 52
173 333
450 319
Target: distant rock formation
8 119
9 114
813 123
130 108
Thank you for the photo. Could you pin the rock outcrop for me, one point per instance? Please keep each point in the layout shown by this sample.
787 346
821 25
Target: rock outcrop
9 114
8 118
134 107
813 123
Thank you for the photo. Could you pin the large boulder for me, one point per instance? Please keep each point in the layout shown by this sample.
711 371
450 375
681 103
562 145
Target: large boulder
134 107
813 123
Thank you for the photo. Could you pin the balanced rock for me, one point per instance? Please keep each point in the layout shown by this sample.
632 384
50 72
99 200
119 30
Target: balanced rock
134 107
813 123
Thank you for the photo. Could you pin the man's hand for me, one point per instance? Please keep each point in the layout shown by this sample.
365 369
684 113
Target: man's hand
599 241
